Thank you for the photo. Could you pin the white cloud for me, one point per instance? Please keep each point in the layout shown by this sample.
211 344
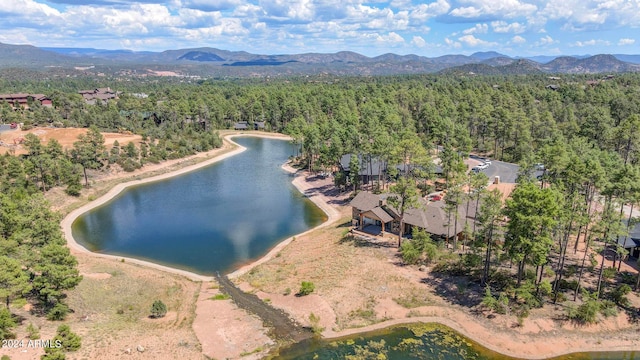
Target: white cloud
289 9
504 27
591 42
453 44
623 42
424 12
473 41
418 41
391 38
581 15
544 41
478 29
493 8
518 40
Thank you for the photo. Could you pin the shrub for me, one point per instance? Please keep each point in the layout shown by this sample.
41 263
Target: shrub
587 312
158 309
499 305
306 288
619 295
526 294
545 288
410 253
6 324
74 189
58 312
315 323
608 308
471 261
609 273
33 331
69 340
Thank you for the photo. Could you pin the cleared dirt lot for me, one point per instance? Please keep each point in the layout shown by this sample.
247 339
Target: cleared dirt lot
65 136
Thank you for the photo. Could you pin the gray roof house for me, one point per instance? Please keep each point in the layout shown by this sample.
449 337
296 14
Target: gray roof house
632 241
242 125
374 211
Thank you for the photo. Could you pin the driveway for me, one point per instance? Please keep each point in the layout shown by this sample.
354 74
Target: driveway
508 172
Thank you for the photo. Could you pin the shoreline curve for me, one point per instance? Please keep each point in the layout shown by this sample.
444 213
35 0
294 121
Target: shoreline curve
68 220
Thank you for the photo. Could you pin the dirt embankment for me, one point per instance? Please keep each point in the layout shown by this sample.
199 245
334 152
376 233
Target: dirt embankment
282 327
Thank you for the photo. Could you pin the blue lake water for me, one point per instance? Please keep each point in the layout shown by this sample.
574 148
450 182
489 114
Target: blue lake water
212 219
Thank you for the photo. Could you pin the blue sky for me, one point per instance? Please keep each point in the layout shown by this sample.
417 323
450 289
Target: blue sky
375 27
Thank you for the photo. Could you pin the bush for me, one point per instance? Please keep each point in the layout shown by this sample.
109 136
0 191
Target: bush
608 308
609 273
158 309
218 297
306 288
315 323
587 312
471 261
69 340
619 295
53 354
33 331
410 253
499 305
58 312
6 324
73 189
545 288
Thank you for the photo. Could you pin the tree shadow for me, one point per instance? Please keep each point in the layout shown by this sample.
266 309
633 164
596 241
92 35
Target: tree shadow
366 242
457 290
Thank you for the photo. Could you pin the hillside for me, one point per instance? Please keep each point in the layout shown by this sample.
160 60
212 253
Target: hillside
208 61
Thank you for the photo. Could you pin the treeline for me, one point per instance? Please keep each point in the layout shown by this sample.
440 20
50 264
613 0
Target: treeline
36 265
585 131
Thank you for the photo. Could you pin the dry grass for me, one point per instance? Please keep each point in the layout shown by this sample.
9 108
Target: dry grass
352 277
111 308
114 312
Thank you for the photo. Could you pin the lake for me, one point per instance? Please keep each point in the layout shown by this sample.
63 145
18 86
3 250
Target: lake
216 218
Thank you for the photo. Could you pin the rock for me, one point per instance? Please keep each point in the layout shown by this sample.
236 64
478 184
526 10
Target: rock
127 351
140 348
422 268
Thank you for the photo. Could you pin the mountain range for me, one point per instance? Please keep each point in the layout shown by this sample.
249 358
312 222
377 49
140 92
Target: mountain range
215 62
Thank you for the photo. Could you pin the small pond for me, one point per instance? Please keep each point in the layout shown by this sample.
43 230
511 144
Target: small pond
216 218
412 341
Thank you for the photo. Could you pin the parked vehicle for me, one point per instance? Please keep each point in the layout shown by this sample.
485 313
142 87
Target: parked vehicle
539 166
487 161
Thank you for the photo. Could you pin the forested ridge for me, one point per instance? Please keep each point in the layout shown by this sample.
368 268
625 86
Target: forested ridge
584 131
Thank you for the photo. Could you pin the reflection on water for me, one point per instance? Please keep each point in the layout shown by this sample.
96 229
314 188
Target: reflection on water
212 219
412 341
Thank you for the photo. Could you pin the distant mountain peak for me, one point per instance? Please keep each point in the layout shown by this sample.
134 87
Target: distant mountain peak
486 55
200 56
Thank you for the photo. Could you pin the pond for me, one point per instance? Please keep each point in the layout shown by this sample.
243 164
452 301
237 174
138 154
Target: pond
412 341
216 218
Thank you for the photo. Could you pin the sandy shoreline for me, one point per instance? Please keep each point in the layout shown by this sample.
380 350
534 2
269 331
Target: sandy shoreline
506 341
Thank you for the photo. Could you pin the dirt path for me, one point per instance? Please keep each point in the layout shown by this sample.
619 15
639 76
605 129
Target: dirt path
281 325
